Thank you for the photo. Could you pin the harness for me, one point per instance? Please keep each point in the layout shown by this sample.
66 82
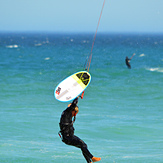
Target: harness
65 124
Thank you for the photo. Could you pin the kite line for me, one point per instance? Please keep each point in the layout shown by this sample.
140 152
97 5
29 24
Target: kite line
90 56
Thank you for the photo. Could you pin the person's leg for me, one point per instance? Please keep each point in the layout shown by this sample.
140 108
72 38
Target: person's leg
87 158
77 142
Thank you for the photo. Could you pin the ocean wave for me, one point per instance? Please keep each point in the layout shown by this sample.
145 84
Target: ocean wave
141 55
157 69
42 43
142 156
47 58
39 44
12 46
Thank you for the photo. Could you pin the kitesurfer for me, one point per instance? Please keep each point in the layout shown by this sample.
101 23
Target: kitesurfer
67 131
128 61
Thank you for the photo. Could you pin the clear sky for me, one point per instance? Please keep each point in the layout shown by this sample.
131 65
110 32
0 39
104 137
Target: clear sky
81 15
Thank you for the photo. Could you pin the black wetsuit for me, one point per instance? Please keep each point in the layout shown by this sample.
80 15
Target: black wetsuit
127 62
67 131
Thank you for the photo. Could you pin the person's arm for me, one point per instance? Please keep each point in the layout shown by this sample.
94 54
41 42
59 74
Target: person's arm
73 105
75 102
132 56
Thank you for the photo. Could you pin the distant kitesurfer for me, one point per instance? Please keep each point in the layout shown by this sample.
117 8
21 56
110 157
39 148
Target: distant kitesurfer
128 61
67 131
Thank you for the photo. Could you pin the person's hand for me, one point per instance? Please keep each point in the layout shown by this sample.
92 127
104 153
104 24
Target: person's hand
75 101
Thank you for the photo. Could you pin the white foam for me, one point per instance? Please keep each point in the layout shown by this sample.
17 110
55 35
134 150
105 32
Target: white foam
141 55
39 44
12 46
158 69
142 156
47 58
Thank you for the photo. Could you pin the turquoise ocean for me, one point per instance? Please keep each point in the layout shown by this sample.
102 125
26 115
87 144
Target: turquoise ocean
120 117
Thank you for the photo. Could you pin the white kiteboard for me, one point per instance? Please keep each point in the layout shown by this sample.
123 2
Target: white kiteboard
72 86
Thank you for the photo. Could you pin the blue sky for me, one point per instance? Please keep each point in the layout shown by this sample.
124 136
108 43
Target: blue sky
81 15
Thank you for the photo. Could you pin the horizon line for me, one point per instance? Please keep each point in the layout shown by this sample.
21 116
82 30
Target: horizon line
79 32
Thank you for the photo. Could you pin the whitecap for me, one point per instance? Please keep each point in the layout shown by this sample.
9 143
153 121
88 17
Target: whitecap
141 55
157 69
47 58
141 156
153 69
39 44
12 46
